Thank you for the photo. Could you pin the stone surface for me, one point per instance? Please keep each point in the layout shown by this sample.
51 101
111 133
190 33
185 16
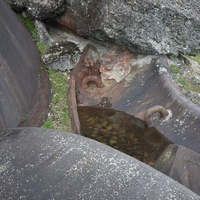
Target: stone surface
43 33
16 5
67 20
147 26
39 9
47 164
62 56
115 62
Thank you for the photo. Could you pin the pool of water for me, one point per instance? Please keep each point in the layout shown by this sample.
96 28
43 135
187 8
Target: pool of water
122 132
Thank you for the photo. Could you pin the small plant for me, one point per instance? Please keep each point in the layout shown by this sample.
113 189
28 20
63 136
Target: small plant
182 81
48 123
196 58
59 116
43 48
195 88
188 85
31 27
174 69
29 23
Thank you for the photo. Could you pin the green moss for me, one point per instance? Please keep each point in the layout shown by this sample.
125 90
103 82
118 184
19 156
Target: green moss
43 48
182 81
31 27
29 23
188 85
196 58
174 69
48 123
195 88
59 115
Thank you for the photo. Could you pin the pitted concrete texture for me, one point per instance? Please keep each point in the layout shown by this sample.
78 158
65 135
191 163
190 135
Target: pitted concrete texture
47 164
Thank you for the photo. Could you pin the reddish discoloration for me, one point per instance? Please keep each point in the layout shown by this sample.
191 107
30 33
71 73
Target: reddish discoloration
67 20
90 72
88 68
91 78
116 58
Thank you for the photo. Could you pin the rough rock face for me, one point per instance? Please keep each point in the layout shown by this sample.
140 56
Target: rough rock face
16 5
145 26
67 20
43 33
63 56
42 10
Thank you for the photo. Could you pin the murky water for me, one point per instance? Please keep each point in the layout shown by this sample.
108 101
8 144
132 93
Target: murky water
122 132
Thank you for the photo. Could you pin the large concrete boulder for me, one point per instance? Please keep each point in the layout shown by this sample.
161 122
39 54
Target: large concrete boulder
39 9
144 26
48 164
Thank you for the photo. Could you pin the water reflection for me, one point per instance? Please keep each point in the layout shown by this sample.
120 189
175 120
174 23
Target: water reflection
122 132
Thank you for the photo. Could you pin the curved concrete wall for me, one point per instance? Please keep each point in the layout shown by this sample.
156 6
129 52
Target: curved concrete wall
49 164
19 64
